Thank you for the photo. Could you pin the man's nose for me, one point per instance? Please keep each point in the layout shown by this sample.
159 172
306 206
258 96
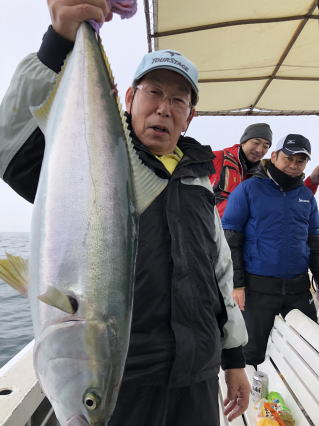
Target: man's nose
164 106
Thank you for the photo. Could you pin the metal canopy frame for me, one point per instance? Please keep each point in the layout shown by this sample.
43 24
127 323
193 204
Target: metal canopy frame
154 37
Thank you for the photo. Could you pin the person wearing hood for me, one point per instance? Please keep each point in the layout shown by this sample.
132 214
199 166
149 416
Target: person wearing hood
271 223
240 161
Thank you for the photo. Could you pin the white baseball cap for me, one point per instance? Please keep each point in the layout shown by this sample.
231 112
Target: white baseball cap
170 60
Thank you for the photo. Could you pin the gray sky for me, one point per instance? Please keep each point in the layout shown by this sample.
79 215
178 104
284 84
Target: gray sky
22 25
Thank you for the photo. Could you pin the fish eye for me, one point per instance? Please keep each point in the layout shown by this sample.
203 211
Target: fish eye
74 304
91 401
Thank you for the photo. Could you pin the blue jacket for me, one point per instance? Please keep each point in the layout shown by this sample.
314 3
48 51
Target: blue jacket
275 224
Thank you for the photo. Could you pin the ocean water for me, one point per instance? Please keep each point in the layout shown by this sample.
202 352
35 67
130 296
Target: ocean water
15 316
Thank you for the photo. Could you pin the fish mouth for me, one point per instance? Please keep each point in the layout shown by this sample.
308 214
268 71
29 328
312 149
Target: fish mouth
77 421
68 320
81 421
58 322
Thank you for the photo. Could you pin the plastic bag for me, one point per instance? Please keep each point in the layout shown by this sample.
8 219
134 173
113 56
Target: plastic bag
273 411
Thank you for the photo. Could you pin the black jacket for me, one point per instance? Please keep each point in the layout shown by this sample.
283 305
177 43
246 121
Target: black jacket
178 309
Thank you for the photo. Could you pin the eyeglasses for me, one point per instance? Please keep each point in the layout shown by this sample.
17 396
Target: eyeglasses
156 95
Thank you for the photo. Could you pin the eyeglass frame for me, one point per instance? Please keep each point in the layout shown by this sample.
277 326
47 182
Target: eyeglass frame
164 97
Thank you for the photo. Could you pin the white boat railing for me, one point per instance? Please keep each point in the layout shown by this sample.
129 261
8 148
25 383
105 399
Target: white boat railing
22 402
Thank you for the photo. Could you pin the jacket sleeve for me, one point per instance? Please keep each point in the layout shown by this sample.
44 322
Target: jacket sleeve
313 242
218 166
234 220
235 334
237 210
21 141
215 179
312 186
235 241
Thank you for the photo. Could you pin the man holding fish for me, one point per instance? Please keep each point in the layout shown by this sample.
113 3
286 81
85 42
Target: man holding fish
185 323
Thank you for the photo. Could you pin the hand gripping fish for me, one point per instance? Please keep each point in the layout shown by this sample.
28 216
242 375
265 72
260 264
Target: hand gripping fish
91 190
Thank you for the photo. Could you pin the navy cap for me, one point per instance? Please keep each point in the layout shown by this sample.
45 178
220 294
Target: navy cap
294 144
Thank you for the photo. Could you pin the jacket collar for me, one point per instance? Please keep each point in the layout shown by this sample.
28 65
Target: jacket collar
197 158
248 168
264 173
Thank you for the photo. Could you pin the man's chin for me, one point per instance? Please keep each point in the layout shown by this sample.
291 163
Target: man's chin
159 146
254 159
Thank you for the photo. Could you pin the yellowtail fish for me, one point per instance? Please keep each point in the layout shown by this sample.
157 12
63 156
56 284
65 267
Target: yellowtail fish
91 190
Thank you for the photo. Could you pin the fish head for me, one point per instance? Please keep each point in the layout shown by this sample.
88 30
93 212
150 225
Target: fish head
79 366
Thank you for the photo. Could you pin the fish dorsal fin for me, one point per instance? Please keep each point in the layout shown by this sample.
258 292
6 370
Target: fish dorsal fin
147 185
55 297
14 271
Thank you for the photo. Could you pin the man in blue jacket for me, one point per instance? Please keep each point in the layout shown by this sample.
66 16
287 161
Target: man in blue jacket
271 224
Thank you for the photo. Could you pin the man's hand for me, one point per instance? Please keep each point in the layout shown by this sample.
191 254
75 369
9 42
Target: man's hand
67 15
314 176
239 297
238 391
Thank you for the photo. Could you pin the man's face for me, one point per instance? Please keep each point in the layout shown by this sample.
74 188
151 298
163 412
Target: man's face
254 149
160 109
292 165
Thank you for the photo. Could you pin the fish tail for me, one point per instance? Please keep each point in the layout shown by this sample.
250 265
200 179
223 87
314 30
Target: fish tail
14 271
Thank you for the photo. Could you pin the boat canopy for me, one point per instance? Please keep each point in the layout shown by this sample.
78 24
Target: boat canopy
254 57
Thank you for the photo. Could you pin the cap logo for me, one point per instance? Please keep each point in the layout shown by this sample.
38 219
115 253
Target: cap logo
291 141
172 61
173 53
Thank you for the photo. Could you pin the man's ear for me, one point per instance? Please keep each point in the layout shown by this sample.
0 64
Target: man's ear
273 156
191 115
129 98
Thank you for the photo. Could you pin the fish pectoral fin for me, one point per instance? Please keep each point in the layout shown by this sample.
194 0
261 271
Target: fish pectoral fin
55 297
14 271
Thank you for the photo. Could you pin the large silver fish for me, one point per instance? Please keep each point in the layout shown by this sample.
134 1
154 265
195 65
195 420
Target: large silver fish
83 241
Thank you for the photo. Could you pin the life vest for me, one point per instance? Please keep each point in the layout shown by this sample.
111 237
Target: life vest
228 174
